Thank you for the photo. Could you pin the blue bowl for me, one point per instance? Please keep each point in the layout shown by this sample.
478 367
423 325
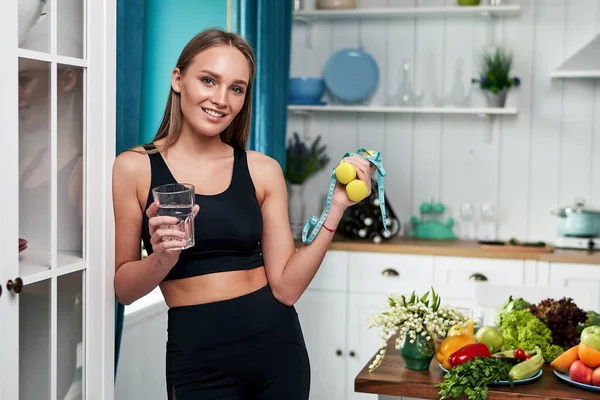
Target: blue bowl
306 90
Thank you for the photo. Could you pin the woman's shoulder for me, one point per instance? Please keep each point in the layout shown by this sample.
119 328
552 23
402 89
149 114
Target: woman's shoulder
267 166
262 159
131 163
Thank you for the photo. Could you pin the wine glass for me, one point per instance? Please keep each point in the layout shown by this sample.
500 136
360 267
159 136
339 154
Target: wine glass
466 216
488 217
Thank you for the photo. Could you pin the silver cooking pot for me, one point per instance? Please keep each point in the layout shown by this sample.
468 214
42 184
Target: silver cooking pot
577 220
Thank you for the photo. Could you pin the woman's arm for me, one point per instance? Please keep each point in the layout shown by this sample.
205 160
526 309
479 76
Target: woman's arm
134 278
289 272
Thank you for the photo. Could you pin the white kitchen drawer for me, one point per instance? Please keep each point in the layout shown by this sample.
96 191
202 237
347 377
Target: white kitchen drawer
382 273
333 272
454 277
582 277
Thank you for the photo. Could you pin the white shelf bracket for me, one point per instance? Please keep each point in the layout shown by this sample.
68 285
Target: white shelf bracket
310 31
491 128
306 124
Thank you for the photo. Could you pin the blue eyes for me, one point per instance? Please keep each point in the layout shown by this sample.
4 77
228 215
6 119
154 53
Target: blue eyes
210 81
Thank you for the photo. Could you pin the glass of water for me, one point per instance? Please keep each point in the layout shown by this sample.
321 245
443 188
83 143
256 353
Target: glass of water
177 200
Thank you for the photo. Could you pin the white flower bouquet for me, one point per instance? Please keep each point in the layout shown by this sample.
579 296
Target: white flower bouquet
416 316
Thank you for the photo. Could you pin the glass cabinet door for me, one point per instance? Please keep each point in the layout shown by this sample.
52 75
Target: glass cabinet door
45 280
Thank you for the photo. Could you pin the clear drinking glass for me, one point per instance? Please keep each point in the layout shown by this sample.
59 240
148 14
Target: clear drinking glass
466 215
177 200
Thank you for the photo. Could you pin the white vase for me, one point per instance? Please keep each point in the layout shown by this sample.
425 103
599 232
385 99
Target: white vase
296 209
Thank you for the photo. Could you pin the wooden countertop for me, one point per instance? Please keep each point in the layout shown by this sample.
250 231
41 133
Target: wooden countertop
391 378
462 248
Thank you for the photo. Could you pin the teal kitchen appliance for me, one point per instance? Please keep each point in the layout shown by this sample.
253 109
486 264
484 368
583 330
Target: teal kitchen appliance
430 226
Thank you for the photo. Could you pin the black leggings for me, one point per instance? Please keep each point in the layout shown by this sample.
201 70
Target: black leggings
247 348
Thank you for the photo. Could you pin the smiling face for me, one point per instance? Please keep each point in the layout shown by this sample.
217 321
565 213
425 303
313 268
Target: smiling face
212 89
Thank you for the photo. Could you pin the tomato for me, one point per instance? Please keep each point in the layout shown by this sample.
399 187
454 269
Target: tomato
519 354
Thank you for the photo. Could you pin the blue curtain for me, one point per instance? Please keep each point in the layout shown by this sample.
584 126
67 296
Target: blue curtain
130 34
267 25
130 39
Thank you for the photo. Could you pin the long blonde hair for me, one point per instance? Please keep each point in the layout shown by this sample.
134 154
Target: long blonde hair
237 133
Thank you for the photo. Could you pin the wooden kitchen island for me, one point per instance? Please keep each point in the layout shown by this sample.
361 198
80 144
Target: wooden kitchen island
392 379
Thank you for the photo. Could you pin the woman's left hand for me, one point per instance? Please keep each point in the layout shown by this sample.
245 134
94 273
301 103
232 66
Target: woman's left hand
364 170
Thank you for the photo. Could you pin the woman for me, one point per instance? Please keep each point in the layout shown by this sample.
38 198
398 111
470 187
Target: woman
233 332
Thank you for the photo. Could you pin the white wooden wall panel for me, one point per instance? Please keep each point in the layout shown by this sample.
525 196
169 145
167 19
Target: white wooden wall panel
542 158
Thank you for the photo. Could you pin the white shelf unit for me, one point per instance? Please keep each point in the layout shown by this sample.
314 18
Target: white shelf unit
403 110
584 64
409 12
489 12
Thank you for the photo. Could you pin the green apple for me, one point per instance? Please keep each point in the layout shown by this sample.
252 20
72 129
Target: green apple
491 337
591 336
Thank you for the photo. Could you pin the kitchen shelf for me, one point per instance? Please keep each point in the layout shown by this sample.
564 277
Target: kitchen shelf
403 110
585 63
409 12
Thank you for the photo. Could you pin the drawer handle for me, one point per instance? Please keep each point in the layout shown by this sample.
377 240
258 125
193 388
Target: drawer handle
338 352
352 353
477 277
390 272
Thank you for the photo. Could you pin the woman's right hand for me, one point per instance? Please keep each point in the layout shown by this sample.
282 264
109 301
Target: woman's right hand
157 227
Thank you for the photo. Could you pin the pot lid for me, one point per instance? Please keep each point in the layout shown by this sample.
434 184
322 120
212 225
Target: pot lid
578 207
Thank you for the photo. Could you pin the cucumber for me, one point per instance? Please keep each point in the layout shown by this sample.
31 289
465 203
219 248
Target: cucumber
528 368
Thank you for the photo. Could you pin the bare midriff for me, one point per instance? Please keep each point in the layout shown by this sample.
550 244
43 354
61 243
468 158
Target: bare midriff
212 287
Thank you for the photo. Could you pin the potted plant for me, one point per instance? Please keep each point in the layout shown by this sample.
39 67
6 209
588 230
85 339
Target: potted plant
302 162
417 321
495 78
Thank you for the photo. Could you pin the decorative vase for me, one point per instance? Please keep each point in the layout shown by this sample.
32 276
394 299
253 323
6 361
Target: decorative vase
496 100
417 355
296 209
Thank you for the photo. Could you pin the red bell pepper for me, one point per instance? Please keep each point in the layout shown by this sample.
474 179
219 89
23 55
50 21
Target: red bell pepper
469 352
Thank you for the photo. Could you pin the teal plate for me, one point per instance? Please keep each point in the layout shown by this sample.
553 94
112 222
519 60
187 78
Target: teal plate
566 378
507 383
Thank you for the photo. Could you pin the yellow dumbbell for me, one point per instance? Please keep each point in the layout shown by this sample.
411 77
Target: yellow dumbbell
356 190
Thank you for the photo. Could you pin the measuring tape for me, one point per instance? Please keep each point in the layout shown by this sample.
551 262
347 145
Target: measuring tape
314 224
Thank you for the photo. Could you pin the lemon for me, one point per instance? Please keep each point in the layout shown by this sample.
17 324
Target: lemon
356 190
345 173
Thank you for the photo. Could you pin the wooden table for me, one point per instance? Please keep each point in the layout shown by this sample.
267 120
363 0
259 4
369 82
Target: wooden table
391 378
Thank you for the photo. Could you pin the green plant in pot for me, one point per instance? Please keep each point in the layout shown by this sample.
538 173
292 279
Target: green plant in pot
417 321
495 79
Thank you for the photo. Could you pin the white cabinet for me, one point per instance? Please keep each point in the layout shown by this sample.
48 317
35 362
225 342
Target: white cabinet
323 319
322 312
362 342
57 112
455 277
585 278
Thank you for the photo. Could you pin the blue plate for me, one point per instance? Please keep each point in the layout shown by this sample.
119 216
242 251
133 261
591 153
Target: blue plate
566 378
351 75
507 383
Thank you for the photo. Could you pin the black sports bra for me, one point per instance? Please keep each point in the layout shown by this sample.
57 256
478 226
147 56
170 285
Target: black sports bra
227 229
